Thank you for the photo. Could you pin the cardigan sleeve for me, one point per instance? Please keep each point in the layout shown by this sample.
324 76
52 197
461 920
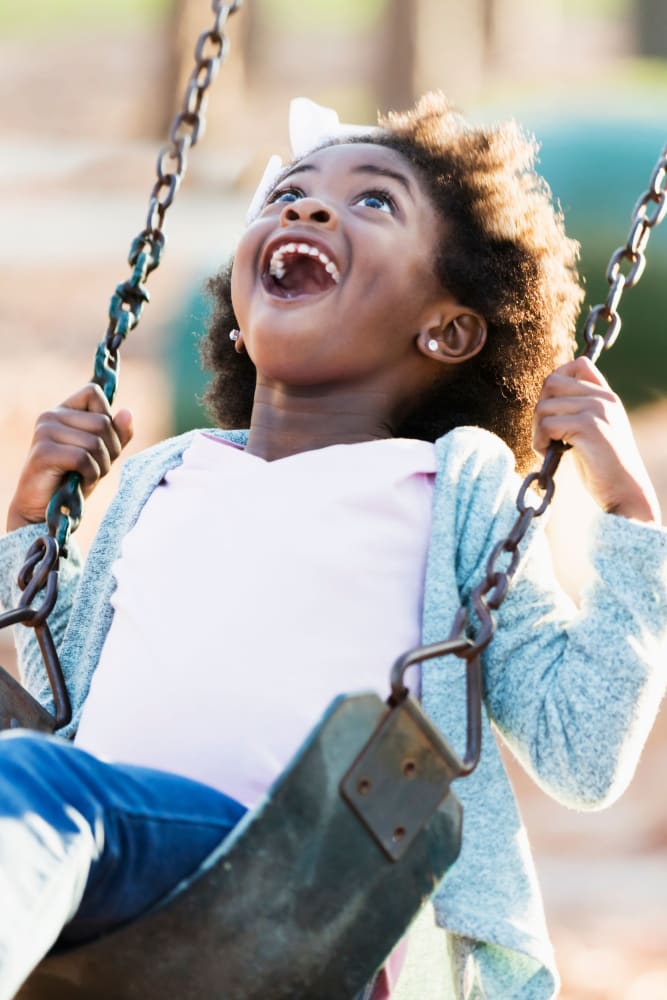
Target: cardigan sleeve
13 549
573 690
83 613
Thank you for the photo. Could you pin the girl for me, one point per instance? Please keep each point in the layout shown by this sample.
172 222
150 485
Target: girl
386 332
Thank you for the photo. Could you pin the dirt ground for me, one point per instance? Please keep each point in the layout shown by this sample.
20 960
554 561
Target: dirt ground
69 206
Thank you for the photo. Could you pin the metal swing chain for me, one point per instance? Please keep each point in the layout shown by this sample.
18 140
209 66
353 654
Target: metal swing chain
128 300
40 570
648 212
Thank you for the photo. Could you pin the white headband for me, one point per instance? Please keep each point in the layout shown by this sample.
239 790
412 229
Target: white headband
310 125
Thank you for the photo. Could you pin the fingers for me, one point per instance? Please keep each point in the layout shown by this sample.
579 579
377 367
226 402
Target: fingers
88 397
568 428
576 402
91 399
80 436
88 409
577 377
124 425
578 407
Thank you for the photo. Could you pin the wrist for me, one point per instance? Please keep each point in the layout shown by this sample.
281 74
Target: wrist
15 520
640 507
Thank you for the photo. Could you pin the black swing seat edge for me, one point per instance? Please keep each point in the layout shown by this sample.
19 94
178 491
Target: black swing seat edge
18 709
302 900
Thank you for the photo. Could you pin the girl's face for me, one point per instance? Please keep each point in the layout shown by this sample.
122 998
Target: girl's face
334 280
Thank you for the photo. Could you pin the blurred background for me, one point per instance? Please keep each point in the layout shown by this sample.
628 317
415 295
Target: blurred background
88 91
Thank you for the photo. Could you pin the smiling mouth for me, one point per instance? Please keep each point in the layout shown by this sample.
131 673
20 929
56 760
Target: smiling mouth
299 270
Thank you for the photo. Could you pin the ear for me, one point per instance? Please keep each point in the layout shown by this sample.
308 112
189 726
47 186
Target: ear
239 346
453 336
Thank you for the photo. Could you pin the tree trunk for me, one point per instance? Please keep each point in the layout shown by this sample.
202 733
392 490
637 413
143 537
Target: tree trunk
186 22
651 19
396 77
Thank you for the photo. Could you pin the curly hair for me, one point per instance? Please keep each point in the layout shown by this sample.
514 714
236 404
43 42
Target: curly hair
503 252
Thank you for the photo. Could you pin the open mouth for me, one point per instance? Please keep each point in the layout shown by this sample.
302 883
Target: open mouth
297 270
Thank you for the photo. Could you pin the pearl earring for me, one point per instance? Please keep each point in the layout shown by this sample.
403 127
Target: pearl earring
433 344
234 335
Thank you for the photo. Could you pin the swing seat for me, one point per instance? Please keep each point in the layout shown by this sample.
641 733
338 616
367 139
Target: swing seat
19 709
310 893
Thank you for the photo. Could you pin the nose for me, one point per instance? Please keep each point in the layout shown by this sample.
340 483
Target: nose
308 210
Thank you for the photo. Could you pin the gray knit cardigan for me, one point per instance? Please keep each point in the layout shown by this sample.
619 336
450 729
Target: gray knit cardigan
572 691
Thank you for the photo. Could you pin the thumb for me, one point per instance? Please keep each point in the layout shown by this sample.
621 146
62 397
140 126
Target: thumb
124 424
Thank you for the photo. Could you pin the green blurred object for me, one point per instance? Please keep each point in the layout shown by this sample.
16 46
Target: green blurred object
597 169
40 17
186 376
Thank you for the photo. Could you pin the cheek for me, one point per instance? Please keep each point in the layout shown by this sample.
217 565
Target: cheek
244 268
390 302
237 297
241 285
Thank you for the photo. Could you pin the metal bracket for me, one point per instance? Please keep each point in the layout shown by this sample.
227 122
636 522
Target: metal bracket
400 777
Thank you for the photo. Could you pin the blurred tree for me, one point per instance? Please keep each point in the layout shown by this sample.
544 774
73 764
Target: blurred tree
450 47
396 69
186 20
520 36
651 17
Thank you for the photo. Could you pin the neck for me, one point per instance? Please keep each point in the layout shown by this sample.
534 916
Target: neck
286 421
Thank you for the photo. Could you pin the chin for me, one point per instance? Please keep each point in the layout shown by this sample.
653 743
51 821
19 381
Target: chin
294 329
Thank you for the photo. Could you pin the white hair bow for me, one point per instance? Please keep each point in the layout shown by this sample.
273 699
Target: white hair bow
310 125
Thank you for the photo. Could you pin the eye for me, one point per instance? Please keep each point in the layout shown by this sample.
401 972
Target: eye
285 196
380 200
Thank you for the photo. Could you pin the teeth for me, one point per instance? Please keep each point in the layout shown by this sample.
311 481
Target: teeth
277 262
277 266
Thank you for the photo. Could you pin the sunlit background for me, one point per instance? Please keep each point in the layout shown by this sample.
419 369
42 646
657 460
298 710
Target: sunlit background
87 92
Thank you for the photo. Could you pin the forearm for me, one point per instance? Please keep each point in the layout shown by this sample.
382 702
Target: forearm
575 692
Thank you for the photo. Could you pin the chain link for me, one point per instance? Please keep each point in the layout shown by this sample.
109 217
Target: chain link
65 509
648 212
40 569
538 486
129 298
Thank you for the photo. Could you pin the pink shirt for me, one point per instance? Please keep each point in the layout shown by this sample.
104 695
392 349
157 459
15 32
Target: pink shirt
251 593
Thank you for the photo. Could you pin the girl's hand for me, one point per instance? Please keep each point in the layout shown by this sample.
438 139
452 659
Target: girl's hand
77 436
578 407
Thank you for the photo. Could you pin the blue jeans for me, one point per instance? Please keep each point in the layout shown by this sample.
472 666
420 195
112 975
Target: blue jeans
86 846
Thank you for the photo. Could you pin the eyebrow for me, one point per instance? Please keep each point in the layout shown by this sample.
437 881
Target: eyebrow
298 168
366 168
370 168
